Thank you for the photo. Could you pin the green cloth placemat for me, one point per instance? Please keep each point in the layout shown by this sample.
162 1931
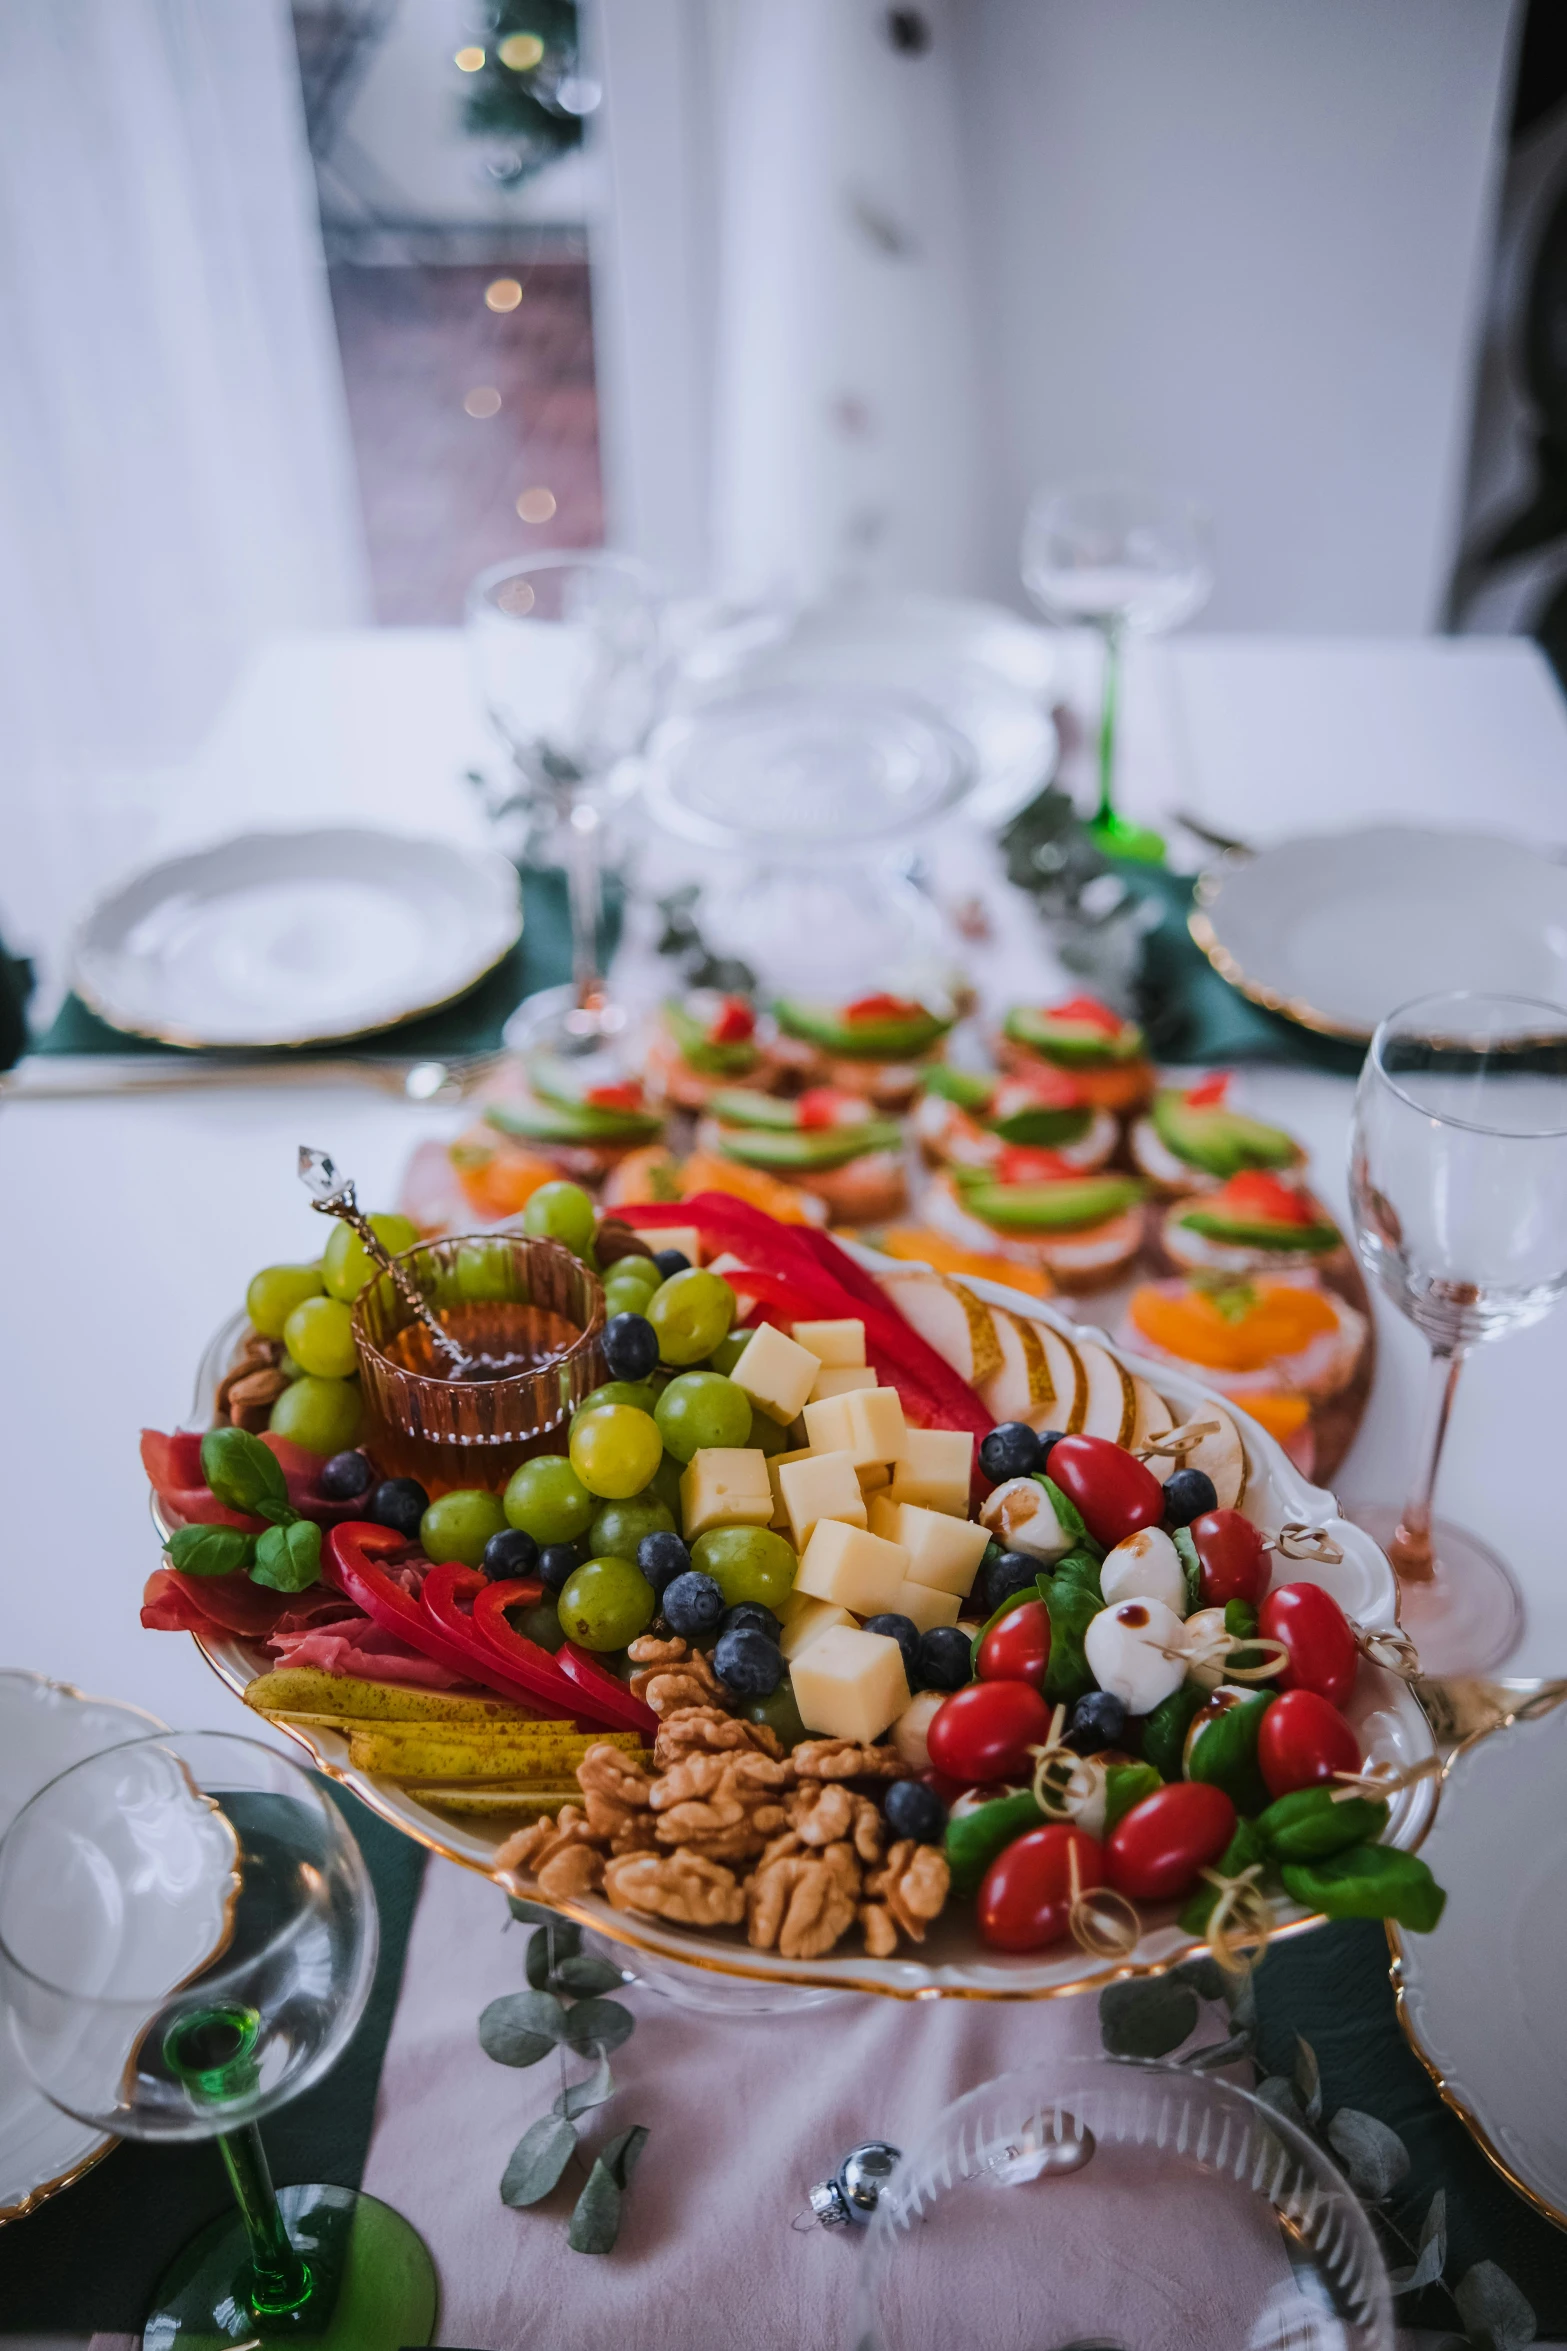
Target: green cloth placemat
88 2261
1332 1987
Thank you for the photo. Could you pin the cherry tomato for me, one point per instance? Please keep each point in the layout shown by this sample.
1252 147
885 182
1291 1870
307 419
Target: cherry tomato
1315 1631
1018 1648
1230 1553
984 1732
1026 1893
1156 1851
1303 1740
1112 1489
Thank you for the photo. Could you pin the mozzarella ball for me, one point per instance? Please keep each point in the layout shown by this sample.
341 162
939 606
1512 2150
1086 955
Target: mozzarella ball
1022 1518
1136 1652
1146 1566
909 1731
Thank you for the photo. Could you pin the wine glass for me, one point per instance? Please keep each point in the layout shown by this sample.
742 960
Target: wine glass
1091 2205
1458 1188
1126 561
569 659
187 1939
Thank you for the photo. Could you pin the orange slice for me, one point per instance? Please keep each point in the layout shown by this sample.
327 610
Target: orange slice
1283 1320
944 1256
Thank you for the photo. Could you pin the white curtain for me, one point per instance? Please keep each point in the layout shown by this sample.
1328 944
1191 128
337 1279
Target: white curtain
176 479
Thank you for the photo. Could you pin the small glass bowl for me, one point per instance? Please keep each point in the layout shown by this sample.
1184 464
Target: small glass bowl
498 1293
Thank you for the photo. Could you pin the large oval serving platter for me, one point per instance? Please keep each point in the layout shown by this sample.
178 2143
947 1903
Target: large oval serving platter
952 1963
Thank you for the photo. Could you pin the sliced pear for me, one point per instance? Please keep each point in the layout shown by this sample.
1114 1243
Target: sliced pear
1069 1378
1022 1389
1153 1418
1112 1399
950 1319
1222 1456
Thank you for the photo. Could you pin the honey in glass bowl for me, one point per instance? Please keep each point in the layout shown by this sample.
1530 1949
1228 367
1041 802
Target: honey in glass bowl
526 1312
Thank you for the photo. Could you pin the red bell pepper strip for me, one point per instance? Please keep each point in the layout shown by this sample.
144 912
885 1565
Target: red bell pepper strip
355 1557
604 1694
491 1643
595 1690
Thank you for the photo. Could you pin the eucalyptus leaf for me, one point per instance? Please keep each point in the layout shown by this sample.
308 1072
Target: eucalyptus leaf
537 2161
581 2097
1240 1994
288 1558
1430 2252
211 1550
532 1914
1374 2157
557 1939
1280 2095
1213 2053
1496 2317
1205 1975
1147 2016
584 1973
595 2224
1308 2078
598 2024
522 2027
241 1471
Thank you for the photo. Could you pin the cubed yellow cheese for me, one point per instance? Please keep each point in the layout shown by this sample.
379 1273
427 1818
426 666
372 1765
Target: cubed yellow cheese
876 1417
776 1462
849 1684
827 1426
944 1552
841 1344
932 1467
822 1486
804 1618
872 1475
884 1517
924 1606
841 1383
856 1569
725 1486
775 1373
683 1237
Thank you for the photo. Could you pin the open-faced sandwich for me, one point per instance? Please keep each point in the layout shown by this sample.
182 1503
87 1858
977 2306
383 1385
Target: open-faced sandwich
828 1143
965 1119
657 1176
1034 1207
1086 1039
582 1130
876 1046
1193 1141
703 1041
1275 1343
1256 1222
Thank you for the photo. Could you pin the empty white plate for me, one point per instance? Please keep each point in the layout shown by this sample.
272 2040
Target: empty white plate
296 938
1336 930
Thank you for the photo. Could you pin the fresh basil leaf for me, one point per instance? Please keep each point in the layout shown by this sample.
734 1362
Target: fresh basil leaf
1496 2317
595 2224
1165 1729
522 2027
1240 1620
1080 1568
537 2161
1368 1881
1147 2017
1244 1847
1374 2157
1127 1784
1013 1600
598 2024
1309 1824
1069 1517
211 1550
241 1471
1073 1607
1224 1753
974 1838
288 1558
581 2097
1191 1569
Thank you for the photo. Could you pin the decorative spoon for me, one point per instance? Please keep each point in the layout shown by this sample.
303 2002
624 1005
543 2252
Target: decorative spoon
333 1195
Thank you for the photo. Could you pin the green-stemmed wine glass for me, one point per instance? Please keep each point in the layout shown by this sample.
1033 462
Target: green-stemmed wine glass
187 1940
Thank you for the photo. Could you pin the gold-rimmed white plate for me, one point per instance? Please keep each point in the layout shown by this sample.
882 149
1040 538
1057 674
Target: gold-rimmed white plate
1480 2000
952 1964
300 938
1335 930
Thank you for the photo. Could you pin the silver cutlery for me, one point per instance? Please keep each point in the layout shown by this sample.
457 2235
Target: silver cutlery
65 1077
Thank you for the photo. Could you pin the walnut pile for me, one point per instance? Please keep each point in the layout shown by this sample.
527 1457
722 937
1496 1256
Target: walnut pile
252 1384
718 1827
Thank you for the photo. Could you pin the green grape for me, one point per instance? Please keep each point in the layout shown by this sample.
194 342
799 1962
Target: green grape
702 1408
539 1623
319 1335
276 1291
346 1264
621 1298
634 1273
322 1415
780 1713
620 1526
458 1525
768 1435
691 1313
746 1563
561 1212
664 1485
615 1450
605 1603
548 1500
637 1392
486 1273
728 1352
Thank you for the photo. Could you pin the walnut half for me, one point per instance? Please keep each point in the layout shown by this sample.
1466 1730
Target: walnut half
801 1903
683 1887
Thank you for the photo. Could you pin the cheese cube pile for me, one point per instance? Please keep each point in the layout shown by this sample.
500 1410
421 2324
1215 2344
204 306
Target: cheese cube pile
725 1486
850 1684
776 1373
822 1485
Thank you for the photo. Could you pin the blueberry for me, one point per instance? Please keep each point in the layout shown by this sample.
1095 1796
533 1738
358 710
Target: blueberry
630 1346
905 1632
1187 1494
748 1663
510 1553
345 1477
999 1578
662 1558
1098 1720
557 1561
945 1658
751 1616
692 1604
399 1503
1010 1451
910 1809
671 1261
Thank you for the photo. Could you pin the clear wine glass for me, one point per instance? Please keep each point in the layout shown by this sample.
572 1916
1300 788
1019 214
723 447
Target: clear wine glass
187 1940
1126 561
1458 1188
569 658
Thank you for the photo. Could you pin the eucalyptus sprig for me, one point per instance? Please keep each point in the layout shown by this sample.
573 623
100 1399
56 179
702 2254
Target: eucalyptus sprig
564 2009
1148 2017
246 1475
